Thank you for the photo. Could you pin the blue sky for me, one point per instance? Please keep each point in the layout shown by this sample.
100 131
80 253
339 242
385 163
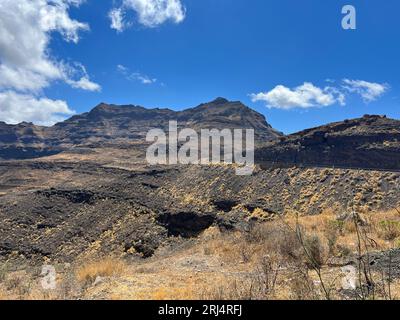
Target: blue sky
229 48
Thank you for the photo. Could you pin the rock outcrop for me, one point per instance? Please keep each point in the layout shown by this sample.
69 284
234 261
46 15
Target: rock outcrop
371 142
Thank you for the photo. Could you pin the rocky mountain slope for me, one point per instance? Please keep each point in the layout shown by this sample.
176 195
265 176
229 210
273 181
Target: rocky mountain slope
62 210
371 142
24 141
111 125
91 191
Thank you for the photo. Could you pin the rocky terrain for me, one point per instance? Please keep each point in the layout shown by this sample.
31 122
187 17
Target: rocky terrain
124 126
82 187
371 142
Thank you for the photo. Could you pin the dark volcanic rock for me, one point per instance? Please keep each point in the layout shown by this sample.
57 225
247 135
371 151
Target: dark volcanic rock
387 262
371 142
123 126
186 224
24 141
94 207
92 200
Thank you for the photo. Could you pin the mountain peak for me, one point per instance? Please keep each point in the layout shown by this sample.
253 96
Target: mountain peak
219 100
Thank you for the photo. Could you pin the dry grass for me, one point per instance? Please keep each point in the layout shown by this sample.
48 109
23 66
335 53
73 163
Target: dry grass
106 267
325 237
265 262
338 235
188 291
3 296
386 225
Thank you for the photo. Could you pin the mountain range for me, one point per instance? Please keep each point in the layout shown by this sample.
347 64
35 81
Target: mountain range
82 187
369 142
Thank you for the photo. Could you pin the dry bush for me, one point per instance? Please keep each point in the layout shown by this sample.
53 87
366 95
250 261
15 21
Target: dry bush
228 246
244 246
338 233
273 239
315 252
343 251
388 230
332 235
19 285
106 267
68 288
259 283
13 282
385 225
267 275
302 287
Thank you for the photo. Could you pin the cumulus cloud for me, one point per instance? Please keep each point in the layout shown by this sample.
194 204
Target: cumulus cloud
150 13
304 96
369 91
16 107
135 76
26 65
311 96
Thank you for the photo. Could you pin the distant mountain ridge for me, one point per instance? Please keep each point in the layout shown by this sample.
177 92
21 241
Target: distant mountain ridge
370 142
112 125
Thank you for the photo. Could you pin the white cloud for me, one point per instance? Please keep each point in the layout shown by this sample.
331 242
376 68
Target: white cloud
135 76
85 84
124 70
310 96
150 13
25 29
78 71
16 108
26 64
117 19
142 78
304 96
338 94
369 91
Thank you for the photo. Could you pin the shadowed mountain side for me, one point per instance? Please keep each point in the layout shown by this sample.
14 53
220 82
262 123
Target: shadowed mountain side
124 126
371 142
65 210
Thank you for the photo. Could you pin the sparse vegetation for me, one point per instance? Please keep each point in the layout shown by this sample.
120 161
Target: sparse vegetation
87 273
389 230
291 257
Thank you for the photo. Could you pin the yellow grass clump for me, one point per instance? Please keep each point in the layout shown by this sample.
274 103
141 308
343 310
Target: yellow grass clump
107 267
3 296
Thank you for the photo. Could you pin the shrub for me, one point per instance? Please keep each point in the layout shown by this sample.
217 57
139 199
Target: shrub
389 230
18 284
336 225
315 252
107 267
267 275
257 233
344 251
332 237
302 286
288 245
